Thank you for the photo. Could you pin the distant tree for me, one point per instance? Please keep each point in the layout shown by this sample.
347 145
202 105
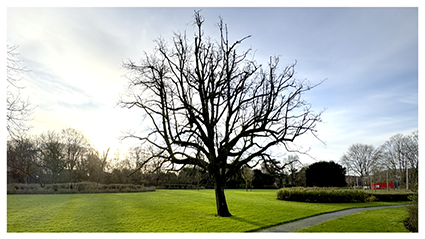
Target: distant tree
76 145
325 174
96 164
51 154
411 152
399 154
185 176
360 160
18 110
53 157
293 166
248 176
283 171
191 175
262 180
22 161
212 107
300 178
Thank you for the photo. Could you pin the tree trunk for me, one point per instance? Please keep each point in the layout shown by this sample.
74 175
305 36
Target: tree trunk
220 198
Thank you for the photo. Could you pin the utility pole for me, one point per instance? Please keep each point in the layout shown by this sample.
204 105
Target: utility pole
407 176
388 184
407 172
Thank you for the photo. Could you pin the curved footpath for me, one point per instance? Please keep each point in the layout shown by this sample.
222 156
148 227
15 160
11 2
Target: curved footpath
314 220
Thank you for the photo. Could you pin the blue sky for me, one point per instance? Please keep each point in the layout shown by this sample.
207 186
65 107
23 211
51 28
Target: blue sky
368 56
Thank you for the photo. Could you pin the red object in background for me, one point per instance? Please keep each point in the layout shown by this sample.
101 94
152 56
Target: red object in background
381 185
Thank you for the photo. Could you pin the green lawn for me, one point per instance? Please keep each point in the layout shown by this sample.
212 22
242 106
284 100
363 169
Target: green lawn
379 220
160 211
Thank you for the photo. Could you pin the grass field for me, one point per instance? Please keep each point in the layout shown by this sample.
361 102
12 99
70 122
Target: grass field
160 211
381 220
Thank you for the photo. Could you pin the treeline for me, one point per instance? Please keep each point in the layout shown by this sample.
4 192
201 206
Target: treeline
54 157
67 156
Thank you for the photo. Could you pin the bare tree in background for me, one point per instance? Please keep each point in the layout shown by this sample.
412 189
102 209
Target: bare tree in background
212 107
248 176
294 165
412 155
360 159
284 171
22 160
96 164
399 154
51 153
18 110
76 145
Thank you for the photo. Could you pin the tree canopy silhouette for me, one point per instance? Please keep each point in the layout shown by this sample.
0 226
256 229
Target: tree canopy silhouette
212 107
325 174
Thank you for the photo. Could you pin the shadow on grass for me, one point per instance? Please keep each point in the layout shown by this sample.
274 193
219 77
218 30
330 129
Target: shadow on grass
243 220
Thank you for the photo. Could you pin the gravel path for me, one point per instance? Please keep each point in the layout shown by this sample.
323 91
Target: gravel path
314 220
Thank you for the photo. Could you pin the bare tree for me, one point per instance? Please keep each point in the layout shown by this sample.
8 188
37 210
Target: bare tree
248 176
96 164
399 155
39 159
411 152
76 145
51 154
360 159
284 171
22 160
18 110
294 165
212 107
152 171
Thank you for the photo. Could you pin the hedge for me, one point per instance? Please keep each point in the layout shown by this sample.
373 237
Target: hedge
336 195
82 187
316 194
392 197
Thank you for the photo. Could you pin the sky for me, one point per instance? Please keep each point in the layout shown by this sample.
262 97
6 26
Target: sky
368 56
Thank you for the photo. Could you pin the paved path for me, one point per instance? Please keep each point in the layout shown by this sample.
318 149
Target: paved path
314 220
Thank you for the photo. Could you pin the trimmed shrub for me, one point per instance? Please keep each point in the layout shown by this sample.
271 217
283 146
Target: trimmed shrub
333 194
322 195
391 197
178 186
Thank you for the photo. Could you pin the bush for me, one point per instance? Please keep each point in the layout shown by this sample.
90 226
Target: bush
82 187
322 195
391 197
371 198
178 186
332 194
412 220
